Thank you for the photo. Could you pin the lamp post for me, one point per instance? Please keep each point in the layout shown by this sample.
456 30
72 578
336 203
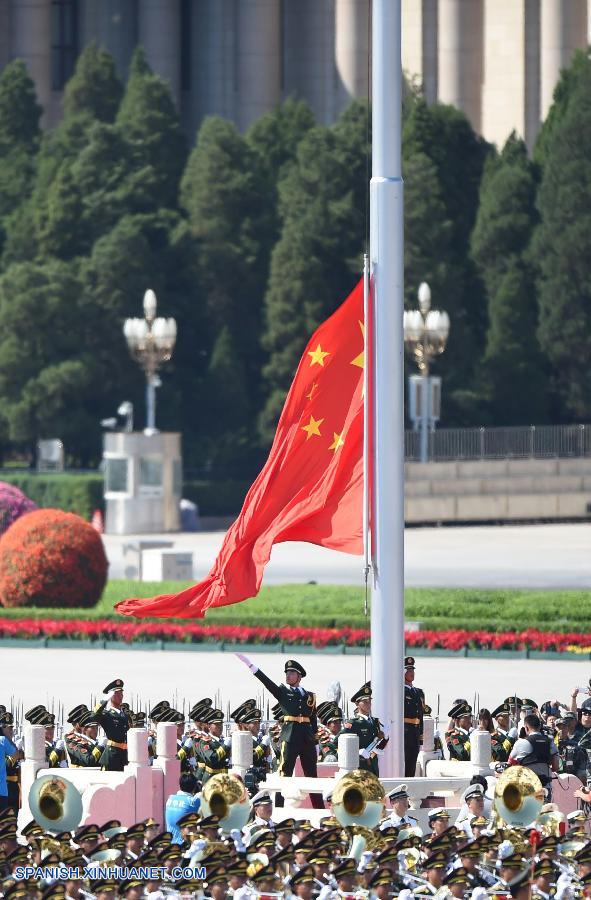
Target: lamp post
425 332
150 341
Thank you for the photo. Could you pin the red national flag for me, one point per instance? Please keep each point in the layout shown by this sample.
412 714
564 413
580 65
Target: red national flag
311 487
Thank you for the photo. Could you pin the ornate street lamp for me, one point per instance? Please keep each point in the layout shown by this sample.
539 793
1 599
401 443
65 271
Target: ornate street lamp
150 341
425 333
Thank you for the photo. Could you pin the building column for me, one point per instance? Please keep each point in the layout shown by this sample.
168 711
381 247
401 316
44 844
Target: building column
258 51
31 24
160 35
461 54
351 50
564 30
113 25
309 55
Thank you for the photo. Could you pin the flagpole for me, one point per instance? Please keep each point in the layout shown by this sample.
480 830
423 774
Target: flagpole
387 475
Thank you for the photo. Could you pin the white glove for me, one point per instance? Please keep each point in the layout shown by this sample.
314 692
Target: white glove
405 894
247 662
64 764
364 753
236 836
366 858
479 893
265 740
102 742
59 745
228 741
19 743
564 887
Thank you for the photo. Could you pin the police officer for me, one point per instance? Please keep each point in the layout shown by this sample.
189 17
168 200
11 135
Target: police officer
536 751
299 727
368 729
115 723
414 709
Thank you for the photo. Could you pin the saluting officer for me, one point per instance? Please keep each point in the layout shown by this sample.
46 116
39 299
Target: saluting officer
299 727
115 723
414 709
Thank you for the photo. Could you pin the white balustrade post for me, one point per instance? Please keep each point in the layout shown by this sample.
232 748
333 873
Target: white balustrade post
137 747
34 749
428 745
480 752
242 758
166 760
138 766
348 753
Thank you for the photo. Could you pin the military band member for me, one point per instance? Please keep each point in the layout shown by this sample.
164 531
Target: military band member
214 754
458 738
115 723
368 729
72 737
399 816
85 752
414 709
299 728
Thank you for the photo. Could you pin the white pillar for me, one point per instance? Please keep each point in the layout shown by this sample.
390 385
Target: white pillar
461 56
351 49
166 758
348 753
258 35
137 747
480 752
308 51
31 24
113 25
563 30
241 752
428 734
387 463
160 35
34 748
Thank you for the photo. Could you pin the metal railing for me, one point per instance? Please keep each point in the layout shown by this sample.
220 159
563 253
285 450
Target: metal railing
523 442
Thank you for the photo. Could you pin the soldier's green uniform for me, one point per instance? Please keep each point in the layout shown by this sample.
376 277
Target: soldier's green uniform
329 714
458 738
368 729
501 745
414 710
213 753
115 724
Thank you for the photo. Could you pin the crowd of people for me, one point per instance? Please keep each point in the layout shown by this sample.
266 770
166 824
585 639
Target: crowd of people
474 856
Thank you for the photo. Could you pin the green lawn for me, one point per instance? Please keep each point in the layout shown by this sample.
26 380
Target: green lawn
332 605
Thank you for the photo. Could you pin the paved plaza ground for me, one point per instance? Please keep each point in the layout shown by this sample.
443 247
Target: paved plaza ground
37 675
505 556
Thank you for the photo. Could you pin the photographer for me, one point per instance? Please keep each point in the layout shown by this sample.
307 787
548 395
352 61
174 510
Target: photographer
9 756
536 751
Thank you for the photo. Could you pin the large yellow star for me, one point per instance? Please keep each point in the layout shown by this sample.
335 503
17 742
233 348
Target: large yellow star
317 356
313 427
360 360
337 442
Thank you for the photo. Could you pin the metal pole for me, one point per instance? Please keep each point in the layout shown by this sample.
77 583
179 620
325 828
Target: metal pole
425 414
387 269
150 404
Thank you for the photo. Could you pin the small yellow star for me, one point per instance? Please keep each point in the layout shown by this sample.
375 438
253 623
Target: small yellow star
312 391
313 427
337 442
360 360
317 356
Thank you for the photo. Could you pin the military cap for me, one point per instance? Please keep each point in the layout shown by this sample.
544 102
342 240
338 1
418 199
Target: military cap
87 832
136 830
76 713
190 818
584 854
346 867
577 815
478 822
364 693
440 812
550 842
116 841
252 715
6 718
158 708
305 875
88 719
216 873
55 891
457 876
544 867
460 709
292 665
214 715
513 861
161 840
171 851
150 823
388 855
260 798
324 707
513 701
17 890
115 685
409 662
519 881
18 857
529 703
236 867
400 792
103 884
8 830
36 714
112 823
209 822
31 829
261 838
243 707
501 710
586 705
437 860
125 886
302 825
472 849
472 792
48 720
381 876
319 856
265 873
205 701
586 879
445 842
285 825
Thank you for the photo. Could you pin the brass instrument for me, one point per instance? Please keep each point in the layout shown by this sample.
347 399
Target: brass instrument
358 799
225 796
519 796
55 803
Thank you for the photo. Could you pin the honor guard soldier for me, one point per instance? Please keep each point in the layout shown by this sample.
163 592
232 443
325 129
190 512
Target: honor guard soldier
331 718
458 738
368 729
299 728
115 723
214 754
414 710
86 752
72 737
501 742
55 753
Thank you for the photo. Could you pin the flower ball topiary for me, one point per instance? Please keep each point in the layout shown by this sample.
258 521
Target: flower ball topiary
13 505
51 558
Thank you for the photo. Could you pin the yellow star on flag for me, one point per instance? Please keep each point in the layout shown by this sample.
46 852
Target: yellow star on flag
317 356
360 360
337 442
313 427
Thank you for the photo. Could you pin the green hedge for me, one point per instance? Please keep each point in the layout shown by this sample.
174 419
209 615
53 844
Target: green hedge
81 493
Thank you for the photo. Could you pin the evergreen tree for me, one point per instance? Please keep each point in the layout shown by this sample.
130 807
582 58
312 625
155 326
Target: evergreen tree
570 79
562 252
94 89
148 120
512 379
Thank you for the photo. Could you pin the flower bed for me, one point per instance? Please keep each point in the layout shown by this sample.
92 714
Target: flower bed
197 633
